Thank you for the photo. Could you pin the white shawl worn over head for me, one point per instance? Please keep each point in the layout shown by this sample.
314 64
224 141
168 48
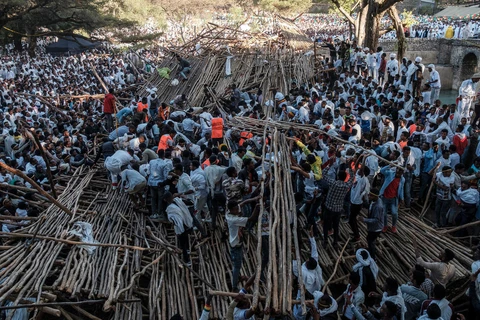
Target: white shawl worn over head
179 215
317 295
365 263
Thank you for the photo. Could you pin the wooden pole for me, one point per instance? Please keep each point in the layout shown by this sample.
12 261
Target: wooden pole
425 206
336 266
467 225
71 242
54 304
36 186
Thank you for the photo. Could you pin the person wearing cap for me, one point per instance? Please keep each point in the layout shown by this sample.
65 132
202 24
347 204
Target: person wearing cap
468 95
434 82
392 67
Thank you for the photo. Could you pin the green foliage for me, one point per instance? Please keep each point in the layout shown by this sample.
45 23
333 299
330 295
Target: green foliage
285 6
348 5
136 10
57 16
407 18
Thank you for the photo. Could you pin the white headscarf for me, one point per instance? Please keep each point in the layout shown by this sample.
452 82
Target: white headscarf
317 295
365 263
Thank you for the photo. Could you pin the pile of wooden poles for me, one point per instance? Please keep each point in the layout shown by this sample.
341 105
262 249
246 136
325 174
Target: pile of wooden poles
249 72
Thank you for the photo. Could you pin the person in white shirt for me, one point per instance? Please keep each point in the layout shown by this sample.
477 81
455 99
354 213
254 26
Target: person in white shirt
358 193
303 113
115 163
467 94
402 128
311 270
186 190
235 223
199 182
189 126
392 67
353 296
179 215
441 126
434 83
206 121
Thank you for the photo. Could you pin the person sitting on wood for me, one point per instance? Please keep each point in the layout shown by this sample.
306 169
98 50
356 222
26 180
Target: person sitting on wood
184 67
442 272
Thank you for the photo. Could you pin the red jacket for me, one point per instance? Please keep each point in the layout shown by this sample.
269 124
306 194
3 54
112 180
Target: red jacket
109 103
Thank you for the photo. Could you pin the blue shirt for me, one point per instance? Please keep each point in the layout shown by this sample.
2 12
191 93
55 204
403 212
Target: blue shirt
429 160
389 174
159 169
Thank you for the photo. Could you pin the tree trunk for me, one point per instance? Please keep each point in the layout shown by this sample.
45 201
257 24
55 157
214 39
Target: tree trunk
397 24
372 26
360 25
17 42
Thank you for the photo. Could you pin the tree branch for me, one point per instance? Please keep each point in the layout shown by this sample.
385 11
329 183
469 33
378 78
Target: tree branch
387 4
384 31
343 11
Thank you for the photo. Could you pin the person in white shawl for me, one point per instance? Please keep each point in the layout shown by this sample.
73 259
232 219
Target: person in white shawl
323 305
467 92
392 293
311 270
182 220
364 263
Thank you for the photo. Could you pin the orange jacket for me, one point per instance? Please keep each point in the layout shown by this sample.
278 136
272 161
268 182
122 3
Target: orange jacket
141 106
244 136
163 143
217 128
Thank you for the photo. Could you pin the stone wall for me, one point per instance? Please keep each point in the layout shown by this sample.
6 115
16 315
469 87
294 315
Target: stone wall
413 44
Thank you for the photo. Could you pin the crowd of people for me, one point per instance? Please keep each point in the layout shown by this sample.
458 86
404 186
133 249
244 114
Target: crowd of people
386 134
335 26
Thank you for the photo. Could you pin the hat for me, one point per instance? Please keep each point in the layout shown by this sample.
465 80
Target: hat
476 76
431 65
418 59
393 55
366 49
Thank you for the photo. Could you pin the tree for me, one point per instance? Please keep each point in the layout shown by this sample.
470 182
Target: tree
367 22
30 18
